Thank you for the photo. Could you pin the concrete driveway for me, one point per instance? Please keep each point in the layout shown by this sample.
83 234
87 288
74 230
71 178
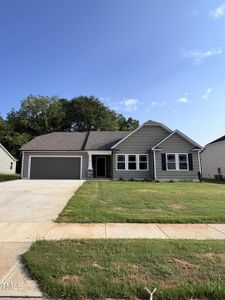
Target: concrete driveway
27 211
34 201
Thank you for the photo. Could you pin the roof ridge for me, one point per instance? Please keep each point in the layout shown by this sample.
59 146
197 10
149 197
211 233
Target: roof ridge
86 139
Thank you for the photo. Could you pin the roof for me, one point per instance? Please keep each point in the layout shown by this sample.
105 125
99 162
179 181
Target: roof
75 141
7 152
221 139
92 140
104 140
196 146
154 123
64 141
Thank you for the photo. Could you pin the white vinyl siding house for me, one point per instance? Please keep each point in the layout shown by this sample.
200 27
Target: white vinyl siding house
7 162
213 159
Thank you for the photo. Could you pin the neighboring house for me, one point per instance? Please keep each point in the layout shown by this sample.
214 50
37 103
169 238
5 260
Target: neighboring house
152 151
213 159
7 162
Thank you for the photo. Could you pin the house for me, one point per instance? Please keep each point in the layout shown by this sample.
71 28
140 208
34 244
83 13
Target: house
7 161
213 159
152 151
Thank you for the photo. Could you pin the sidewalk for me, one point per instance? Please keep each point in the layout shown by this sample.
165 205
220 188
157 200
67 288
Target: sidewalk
30 232
16 238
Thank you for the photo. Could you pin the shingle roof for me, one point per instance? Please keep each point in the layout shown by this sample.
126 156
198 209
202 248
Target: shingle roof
57 141
103 140
221 139
75 141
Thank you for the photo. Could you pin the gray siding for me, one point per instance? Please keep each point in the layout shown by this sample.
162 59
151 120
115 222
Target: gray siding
139 143
176 144
59 153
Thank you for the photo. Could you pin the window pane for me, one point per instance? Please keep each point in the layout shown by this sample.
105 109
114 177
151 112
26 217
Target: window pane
121 166
132 158
182 158
183 166
120 157
183 162
171 166
143 158
132 166
143 166
171 157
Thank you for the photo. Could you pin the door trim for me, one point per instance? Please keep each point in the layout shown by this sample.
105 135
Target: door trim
59 156
97 165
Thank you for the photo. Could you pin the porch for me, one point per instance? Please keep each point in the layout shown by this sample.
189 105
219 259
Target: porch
100 164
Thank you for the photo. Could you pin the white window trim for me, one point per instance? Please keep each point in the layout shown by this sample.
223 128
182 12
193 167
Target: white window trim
137 162
59 156
177 162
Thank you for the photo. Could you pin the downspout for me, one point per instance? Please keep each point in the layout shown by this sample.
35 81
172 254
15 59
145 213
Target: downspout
200 162
154 164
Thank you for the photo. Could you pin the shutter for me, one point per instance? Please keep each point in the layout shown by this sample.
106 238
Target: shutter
190 161
163 158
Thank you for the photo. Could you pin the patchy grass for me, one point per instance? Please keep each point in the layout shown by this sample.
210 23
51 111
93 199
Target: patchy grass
94 269
7 177
144 202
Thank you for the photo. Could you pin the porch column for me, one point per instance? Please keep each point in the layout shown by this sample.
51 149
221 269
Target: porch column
90 166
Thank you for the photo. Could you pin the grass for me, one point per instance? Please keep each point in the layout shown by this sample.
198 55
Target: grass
7 177
93 269
144 202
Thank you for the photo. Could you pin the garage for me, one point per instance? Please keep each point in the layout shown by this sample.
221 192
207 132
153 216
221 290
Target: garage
51 167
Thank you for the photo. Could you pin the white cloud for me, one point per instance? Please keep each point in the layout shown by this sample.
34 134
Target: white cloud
162 104
207 93
130 104
194 13
154 105
183 100
218 12
175 112
198 56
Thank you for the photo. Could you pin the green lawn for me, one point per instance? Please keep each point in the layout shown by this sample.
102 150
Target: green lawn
145 202
7 177
97 269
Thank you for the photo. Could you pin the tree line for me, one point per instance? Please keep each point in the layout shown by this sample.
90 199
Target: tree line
39 115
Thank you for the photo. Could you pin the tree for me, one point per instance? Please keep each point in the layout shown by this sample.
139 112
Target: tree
127 124
11 139
37 115
89 113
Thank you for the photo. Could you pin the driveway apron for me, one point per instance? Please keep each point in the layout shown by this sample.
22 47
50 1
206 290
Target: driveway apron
27 211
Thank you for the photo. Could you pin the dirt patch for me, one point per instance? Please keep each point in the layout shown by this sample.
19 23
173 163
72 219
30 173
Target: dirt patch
212 256
145 191
183 264
71 278
126 267
178 206
119 209
156 209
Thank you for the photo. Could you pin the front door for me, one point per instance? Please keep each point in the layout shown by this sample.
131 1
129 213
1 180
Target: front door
101 166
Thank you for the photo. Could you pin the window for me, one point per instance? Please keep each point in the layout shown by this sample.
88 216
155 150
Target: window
177 161
132 162
121 162
183 161
143 164
171 162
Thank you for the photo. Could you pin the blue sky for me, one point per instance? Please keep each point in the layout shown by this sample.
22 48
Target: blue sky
161 60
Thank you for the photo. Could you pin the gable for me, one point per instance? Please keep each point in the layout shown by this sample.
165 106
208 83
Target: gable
142 139
176 143
5 154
